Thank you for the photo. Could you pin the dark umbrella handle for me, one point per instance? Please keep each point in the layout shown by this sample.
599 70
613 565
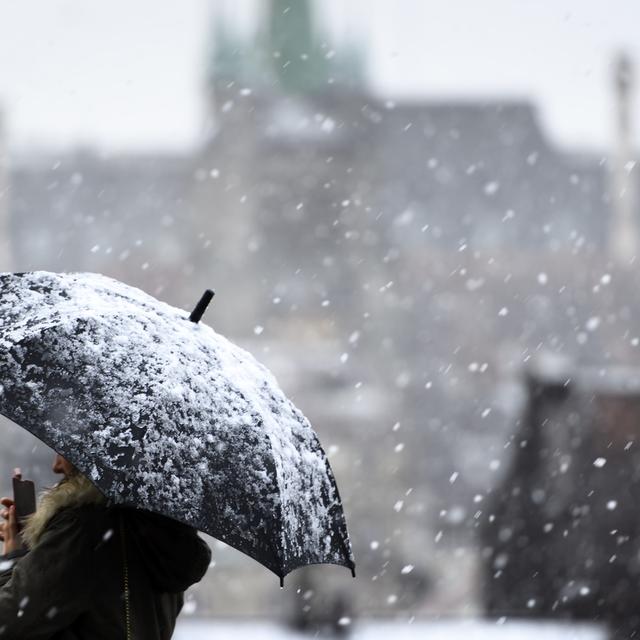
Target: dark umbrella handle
196 314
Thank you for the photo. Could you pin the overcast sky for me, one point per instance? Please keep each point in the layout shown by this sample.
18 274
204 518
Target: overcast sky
128 74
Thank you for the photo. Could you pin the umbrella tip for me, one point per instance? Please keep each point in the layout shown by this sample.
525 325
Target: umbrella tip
200 308
282 582
353 571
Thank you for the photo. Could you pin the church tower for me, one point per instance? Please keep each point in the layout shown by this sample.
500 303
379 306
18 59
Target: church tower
268 152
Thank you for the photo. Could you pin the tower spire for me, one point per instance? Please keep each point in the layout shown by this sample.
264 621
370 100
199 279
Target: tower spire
299 56
289 53
5 230
226 54
624 238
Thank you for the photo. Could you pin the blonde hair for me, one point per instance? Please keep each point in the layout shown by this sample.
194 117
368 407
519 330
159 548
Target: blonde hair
73 491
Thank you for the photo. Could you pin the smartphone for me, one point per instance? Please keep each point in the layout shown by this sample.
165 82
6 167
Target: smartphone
24 496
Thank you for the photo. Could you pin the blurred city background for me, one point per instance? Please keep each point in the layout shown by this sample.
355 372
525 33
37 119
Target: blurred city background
423 217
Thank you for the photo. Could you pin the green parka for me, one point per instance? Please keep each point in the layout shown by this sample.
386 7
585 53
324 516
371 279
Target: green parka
71 585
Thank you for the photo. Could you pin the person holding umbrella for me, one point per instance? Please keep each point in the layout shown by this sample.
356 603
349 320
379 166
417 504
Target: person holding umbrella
178 429
161 412
84 568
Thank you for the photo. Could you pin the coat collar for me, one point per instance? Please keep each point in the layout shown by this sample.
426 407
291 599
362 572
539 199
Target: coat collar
74 491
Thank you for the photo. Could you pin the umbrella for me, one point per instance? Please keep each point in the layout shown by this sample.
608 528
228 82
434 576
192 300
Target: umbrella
161 412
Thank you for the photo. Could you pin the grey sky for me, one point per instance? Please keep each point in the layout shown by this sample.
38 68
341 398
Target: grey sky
129 75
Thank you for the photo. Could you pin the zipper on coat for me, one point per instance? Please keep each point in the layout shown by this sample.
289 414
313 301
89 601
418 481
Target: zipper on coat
127 604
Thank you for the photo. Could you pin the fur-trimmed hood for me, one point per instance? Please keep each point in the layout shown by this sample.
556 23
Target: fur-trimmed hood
173 555
73 491
84 556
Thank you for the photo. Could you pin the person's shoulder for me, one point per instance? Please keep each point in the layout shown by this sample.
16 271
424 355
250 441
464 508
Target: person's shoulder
96 519
80 531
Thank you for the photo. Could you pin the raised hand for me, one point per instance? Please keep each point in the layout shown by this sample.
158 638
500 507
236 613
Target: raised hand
9 528
9 531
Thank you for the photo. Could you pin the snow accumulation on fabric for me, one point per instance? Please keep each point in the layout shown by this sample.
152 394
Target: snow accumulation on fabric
167 414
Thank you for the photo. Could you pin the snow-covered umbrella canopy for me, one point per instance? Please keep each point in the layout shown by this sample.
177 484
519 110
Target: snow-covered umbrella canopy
165 414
